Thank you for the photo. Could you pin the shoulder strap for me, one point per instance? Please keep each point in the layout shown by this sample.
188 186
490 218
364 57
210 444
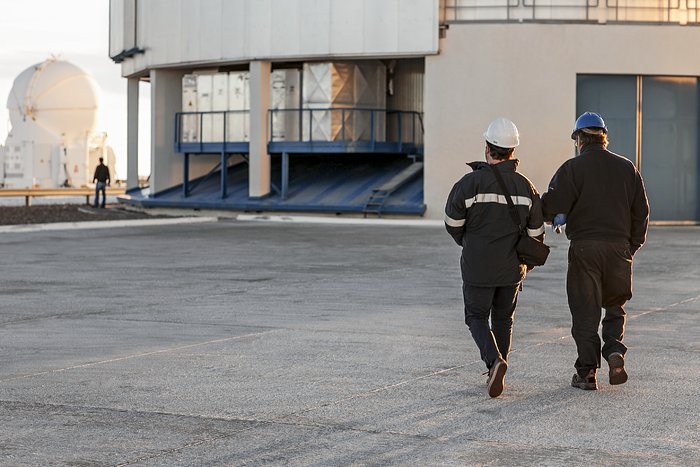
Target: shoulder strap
511 207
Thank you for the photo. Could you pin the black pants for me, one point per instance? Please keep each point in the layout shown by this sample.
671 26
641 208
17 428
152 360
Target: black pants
600 276
498 303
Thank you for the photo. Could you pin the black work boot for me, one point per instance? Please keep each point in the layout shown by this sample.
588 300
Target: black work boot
587 382
497 374
618 375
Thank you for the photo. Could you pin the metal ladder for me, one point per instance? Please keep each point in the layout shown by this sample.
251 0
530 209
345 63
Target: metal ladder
379 195
376 202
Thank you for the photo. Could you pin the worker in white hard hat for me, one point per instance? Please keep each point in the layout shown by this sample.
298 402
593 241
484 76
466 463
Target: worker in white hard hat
601 198
478 217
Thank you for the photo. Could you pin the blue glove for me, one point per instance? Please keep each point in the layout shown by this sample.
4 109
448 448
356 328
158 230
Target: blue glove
557 222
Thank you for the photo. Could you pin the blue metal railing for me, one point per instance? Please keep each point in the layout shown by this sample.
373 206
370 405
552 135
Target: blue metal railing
338 126
345 125
199 129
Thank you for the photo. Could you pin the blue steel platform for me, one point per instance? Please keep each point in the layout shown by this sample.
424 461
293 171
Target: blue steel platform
333 184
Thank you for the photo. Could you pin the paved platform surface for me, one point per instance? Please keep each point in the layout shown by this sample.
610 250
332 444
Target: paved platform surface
246 343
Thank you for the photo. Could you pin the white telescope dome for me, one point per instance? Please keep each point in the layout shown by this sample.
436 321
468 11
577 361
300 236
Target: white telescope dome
57 95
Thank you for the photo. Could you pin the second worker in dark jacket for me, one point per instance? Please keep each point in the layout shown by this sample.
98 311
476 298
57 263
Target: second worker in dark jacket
478 218
602 197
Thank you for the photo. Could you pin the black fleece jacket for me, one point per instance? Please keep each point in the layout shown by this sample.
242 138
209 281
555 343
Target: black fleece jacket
602 195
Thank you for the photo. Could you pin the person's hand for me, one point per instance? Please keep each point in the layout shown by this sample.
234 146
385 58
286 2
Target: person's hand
557 222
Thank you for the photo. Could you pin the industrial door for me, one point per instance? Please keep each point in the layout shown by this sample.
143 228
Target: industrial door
653 120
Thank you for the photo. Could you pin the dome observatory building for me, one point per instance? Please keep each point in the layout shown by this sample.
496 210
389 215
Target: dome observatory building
374 106
52 143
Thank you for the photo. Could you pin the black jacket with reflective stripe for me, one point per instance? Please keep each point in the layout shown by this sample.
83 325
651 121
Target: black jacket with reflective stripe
602 195
478 218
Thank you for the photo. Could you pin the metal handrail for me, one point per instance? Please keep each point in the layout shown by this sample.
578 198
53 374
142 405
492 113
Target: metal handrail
665 10
378 118
405 127
527 10
179 117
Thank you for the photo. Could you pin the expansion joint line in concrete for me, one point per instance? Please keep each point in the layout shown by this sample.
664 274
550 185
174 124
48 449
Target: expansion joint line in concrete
138 355
666 308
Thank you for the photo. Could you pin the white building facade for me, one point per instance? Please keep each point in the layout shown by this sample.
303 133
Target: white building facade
451 66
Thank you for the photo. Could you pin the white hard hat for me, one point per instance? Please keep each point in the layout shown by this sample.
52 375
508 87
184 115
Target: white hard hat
502 133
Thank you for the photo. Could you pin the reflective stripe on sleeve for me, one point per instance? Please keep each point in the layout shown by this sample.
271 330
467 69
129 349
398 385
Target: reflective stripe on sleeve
535 232
454 222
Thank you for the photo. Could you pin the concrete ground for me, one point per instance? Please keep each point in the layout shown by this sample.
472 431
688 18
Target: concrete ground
247 343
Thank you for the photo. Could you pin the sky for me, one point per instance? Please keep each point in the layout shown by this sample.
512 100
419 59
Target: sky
77 31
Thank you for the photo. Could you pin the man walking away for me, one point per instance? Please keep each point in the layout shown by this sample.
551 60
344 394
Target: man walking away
478 218
601 195
102 178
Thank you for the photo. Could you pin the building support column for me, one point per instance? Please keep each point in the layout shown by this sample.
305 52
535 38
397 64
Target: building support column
224 174
285 176
166 101
259 165
186 176
132 133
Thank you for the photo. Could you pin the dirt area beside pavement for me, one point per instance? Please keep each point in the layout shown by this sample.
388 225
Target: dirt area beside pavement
13 215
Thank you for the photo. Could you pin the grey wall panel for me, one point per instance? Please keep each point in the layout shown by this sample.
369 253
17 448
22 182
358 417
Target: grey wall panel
171 36
615 98
670 153
210 36
412 35
381 25
174 32
346 37
189 39
233 31
259 28
287 21
117 27
122 31
317 27
159 20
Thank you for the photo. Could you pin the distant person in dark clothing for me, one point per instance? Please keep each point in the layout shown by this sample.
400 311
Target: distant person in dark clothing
102 178
601 195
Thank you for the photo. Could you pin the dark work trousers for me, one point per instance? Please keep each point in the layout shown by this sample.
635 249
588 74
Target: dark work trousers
600 276
498 303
